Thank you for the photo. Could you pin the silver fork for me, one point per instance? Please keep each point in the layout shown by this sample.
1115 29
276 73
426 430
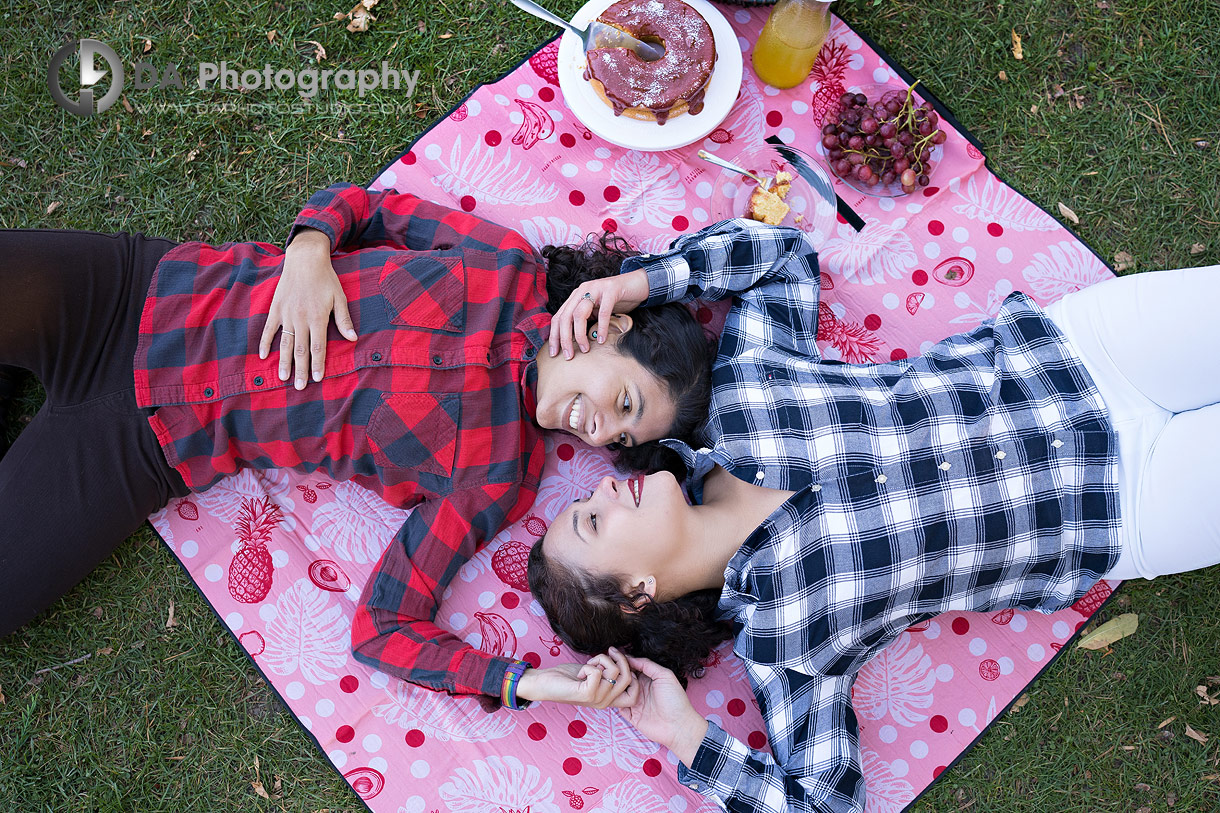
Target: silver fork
764 181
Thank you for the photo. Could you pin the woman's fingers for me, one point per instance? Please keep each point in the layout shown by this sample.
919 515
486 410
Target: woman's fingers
287 348
343 319
268 338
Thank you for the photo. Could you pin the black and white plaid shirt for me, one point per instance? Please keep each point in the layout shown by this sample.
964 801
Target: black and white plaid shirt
980 475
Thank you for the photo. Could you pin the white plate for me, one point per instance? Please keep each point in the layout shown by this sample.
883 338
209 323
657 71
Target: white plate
718 99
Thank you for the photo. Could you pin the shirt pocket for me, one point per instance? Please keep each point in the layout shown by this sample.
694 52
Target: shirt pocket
417 431
426 289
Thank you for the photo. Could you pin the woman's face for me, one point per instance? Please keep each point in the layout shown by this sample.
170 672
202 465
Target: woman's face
625 528
603 397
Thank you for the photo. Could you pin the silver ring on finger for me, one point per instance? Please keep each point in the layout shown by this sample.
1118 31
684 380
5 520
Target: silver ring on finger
588 296
288 333
612 681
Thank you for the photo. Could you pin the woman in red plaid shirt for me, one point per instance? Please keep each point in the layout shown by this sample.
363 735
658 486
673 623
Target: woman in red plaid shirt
429 388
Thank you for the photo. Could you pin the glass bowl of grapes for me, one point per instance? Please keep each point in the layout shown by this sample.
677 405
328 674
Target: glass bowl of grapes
883 141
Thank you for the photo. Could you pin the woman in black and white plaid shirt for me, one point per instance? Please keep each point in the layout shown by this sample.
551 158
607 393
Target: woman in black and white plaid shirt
836 505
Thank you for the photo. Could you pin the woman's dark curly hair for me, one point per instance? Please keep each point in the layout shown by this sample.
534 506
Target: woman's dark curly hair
665 339
592 613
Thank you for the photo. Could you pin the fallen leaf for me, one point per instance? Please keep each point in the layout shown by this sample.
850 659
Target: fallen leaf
1166 722
190 156
1204 698
319 53
446 35
1056 91
271 35
2 701
361 16
1123 261
127 105
1033 109
258 788
1020 703
1197 736
1201 144
106 650
339 15
1003 76
147 46
1197 248
1108 633
421 26
1017 53
54 205
1068 213
1102 4
1142 787
97 612
1212 777
170 623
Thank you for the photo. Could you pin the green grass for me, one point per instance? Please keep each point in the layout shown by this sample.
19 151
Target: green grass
173 719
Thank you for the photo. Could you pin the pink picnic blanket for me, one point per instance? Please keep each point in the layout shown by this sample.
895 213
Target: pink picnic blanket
922 267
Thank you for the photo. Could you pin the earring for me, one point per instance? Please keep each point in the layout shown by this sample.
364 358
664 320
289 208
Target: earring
594 334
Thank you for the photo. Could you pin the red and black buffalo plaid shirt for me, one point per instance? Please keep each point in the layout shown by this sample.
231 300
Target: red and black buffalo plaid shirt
429 408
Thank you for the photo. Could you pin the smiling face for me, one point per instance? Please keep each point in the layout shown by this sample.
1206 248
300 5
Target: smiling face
603 397
625 528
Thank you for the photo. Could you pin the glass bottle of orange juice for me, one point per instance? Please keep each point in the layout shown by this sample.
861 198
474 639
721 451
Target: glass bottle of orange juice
790 41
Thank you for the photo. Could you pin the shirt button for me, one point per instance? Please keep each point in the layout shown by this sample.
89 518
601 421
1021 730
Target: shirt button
759 475
258 381
437 360
1056 443
209 392
1000 455
815 487
376 357
881 478
530 352
946 466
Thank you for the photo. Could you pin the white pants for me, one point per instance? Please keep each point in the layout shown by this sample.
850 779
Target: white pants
1152 344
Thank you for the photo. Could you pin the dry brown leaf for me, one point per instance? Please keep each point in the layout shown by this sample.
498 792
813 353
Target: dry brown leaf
1165 722
2 701
361 16
1197 248
319 53
339 15
190 156
1033 109
170 623
1068 213
421 26
127 105
1017 53
1102 4
1197 736
1123 261
147 46
1110 632
446 35
1212 777
1204 698
55 204
258 788
271 35
1019 703
1003 76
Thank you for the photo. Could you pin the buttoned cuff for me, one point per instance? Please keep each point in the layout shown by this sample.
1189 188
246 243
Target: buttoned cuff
718 765
330 226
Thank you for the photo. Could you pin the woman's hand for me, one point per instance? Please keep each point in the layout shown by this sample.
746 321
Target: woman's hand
604 297
604 681
307 293
664 713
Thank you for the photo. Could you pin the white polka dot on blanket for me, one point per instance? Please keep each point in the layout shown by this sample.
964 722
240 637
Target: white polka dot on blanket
1060 629
268 612
324 708
388 178
742 16
189 549
919 749
1003 254
525 91
279 558
1018 623
799 107
486 599
371 743
337 757
415 804
931 250
432 151
967 717
379 679
787 135
213 573
881 75
379 764
235 621
961 234
1035 652
501 99
594 166
602 153
1006 666
900 768
944 673
978 646
569 170
420 768
715 699
887 733
295 690
700 215
473 107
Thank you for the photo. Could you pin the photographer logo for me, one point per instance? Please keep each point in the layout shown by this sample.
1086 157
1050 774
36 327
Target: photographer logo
90 75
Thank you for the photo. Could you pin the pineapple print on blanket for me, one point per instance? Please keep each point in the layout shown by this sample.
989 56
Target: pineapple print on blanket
251 570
